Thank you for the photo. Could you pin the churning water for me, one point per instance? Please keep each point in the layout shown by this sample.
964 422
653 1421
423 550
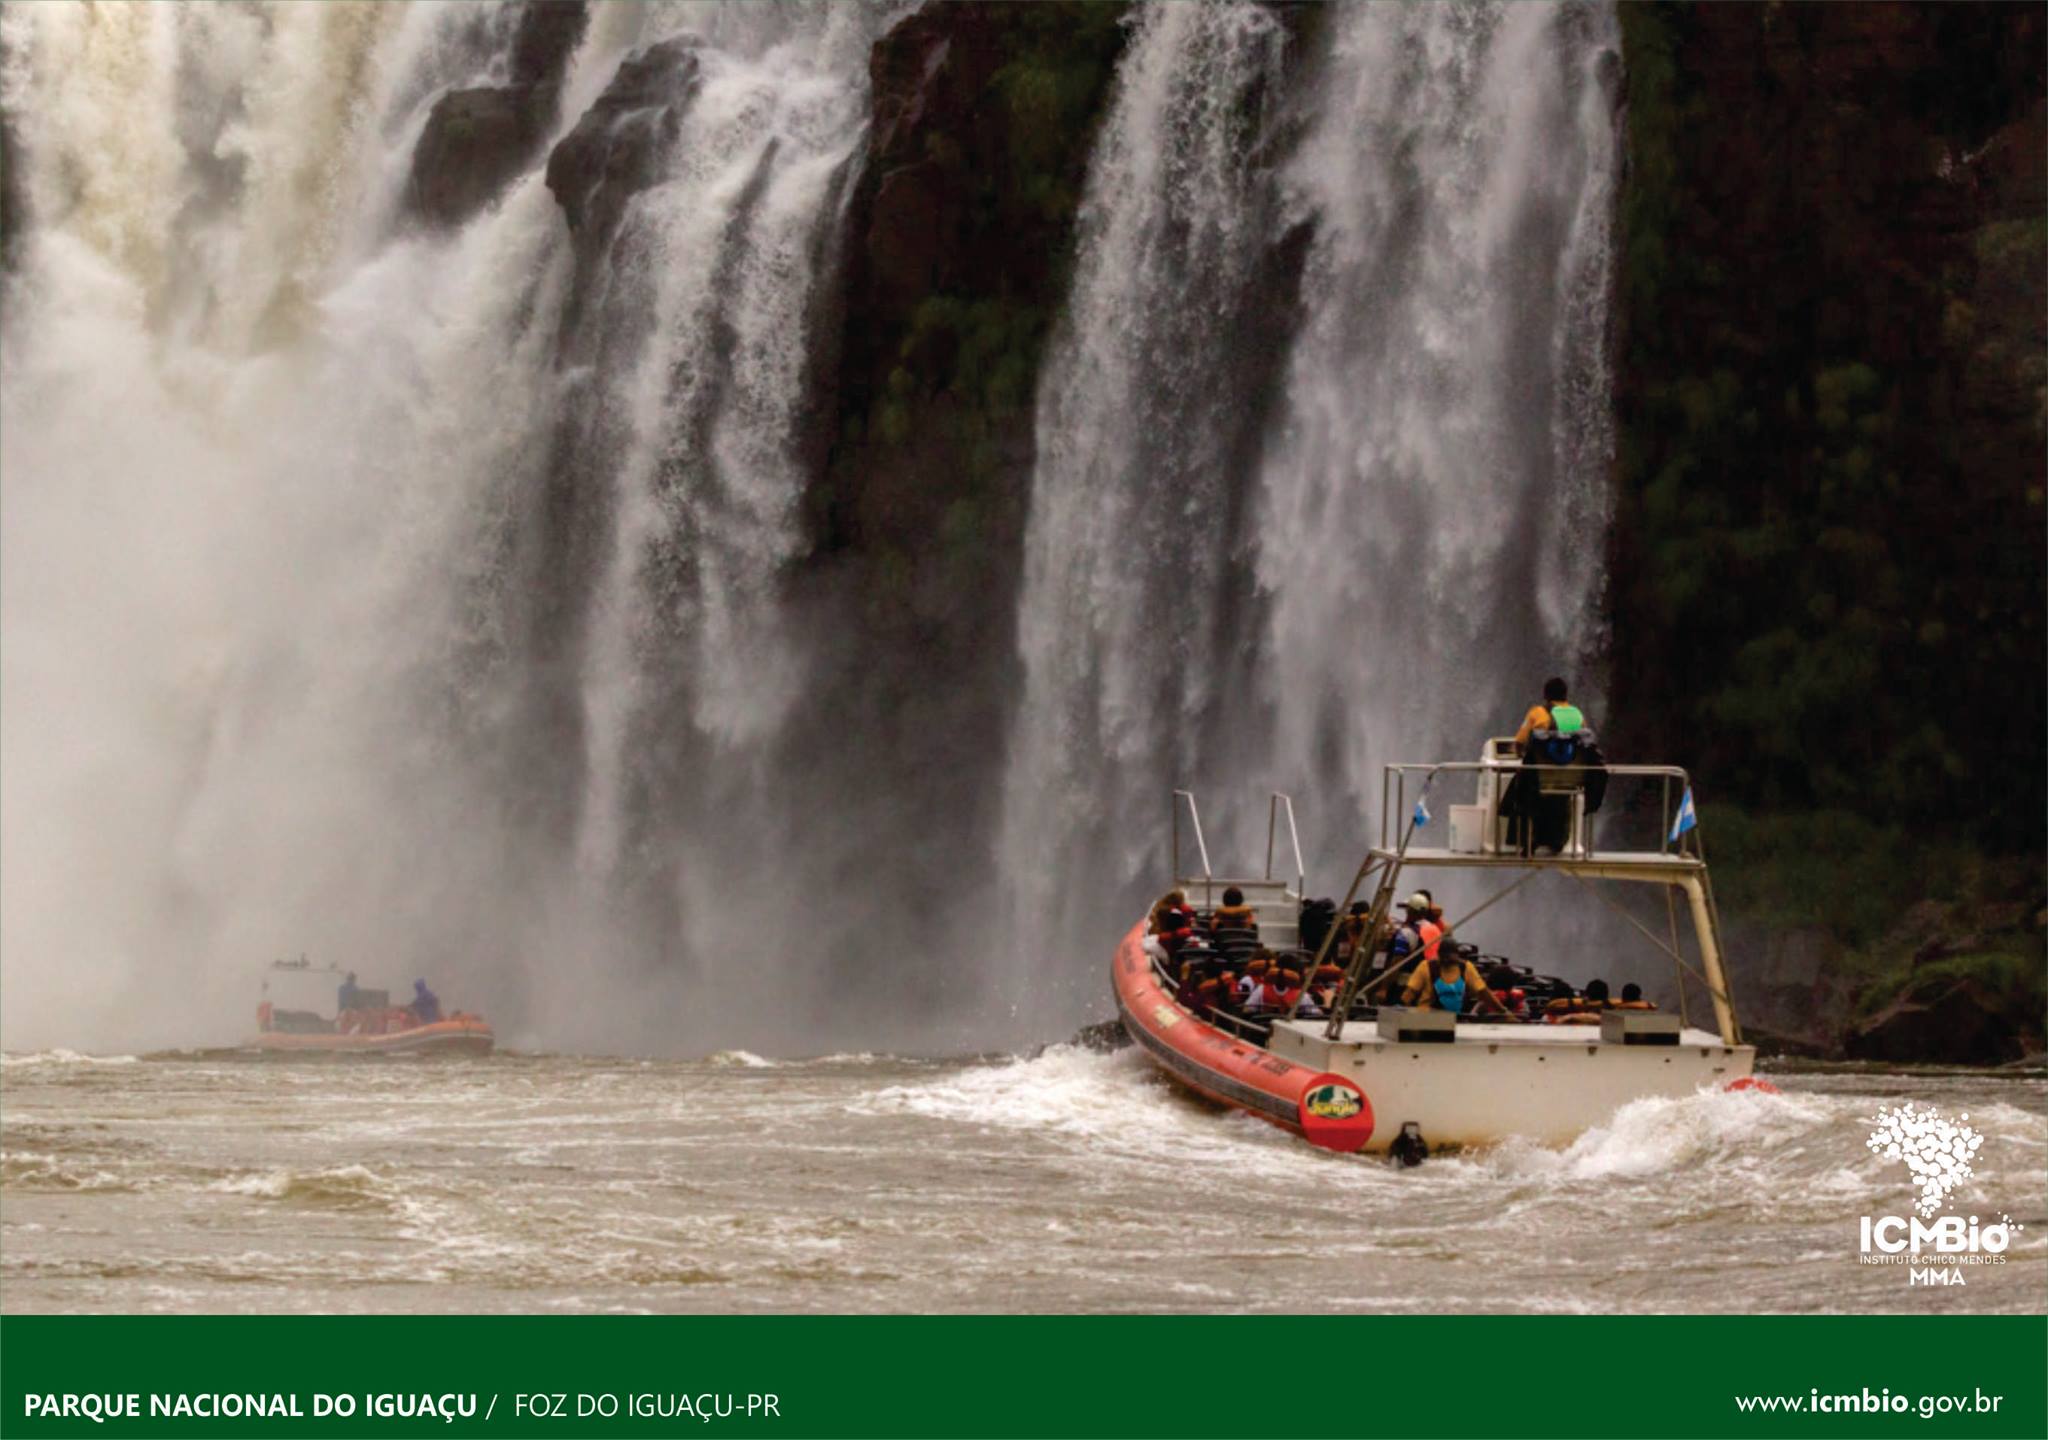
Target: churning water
1068 1181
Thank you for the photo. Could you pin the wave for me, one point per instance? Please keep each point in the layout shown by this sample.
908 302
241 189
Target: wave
1662 1133
342 1187
1798 1153
33 1170
61 1057
742 1060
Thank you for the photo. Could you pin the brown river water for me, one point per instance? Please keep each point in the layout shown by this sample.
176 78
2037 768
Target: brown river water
1067 1181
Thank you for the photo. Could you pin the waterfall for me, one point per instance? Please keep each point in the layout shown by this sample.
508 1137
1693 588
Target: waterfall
391 575
1413 542
1134 504
1432 512
414 426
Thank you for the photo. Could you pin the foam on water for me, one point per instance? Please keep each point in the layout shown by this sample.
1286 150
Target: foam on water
1066 1180
341 1186
741 1059
61 1057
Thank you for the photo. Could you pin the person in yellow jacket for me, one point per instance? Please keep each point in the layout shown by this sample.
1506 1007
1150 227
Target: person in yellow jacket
1233 913
1448 982
1556 713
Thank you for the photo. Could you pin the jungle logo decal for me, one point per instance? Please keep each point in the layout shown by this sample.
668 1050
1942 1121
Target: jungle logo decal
1333 1102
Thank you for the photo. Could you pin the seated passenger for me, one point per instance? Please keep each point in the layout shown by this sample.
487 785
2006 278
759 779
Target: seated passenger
1448 982
1168 910
1632 998
1287 989
1234 914
1173 928
1188 993
1254 977
1581 1009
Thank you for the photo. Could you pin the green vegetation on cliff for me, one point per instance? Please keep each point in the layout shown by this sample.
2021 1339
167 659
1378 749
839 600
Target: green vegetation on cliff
963 235
1828 557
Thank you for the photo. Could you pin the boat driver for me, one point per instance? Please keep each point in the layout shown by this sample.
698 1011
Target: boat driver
1447 981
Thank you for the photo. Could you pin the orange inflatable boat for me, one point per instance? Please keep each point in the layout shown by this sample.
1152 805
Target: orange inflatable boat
1322 1108
458 1034
308 1009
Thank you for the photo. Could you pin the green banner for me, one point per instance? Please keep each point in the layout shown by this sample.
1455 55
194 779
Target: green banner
1024 1376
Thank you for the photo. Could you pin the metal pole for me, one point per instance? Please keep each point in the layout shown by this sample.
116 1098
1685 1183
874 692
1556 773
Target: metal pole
1173 875
1678 966
1272 820
1294 838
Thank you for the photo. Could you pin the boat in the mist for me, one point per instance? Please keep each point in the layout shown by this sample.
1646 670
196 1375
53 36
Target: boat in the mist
1376 1077
301 1012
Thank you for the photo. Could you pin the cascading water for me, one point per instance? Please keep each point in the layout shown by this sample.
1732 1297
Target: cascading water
1134 504
406 437
401 590
1417 539
1431 516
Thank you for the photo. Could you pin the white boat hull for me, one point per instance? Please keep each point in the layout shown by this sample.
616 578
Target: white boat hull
1546 1083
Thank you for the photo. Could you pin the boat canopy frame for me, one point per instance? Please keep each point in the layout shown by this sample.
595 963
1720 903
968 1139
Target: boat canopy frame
1678 865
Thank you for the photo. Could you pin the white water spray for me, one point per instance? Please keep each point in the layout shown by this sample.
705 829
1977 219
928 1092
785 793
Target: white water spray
276 461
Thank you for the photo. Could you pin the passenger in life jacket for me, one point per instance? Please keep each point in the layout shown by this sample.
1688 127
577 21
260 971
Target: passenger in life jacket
1173 924
1632 998
1170 911
1553 733
1431 911
1322 992
1233 913
426 1005
1581 1009
1250 987
1556 718
1284 989
1448 982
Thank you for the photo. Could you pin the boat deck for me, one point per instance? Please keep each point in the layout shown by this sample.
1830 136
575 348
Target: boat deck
1611 864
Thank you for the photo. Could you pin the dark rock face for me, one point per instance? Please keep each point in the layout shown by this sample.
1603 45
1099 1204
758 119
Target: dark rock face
618 145
549 32
478 140
1948 1020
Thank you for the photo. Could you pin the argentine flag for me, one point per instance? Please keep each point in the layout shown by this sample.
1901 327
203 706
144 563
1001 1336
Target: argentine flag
1686 820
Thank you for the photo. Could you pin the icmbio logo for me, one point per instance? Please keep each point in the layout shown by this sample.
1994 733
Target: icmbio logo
1939 1154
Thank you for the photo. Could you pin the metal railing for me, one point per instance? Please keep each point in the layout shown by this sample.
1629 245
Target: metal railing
1201 845
1394 803
1273 810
